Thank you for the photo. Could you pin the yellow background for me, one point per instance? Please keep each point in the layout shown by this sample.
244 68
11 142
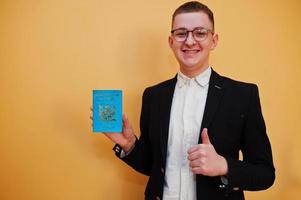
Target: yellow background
54 52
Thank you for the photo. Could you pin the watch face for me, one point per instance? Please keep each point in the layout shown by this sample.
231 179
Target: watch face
224 180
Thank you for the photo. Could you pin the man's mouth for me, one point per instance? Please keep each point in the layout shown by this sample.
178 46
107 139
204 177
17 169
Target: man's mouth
190 51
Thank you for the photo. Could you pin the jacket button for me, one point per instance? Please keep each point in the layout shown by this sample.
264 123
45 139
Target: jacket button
162 170
157 198
236 188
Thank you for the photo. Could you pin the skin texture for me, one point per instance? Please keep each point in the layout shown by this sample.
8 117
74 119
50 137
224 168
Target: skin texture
203 158
193 56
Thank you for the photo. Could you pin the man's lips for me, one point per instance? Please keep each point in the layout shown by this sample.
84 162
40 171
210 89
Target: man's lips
190 51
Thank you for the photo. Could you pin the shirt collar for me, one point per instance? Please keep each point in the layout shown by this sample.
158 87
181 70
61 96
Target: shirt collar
202 79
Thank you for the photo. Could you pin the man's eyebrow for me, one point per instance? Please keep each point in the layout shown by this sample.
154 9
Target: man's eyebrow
179 28
189 29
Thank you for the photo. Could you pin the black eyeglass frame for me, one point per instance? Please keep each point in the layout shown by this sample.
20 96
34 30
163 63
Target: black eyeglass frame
193 34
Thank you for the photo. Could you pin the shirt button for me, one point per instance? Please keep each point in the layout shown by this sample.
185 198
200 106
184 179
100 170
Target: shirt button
162 170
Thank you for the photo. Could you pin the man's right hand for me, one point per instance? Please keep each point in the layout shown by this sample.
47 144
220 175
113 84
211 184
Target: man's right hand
126 139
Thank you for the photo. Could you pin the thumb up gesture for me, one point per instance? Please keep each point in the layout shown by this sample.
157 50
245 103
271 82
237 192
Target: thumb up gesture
204 160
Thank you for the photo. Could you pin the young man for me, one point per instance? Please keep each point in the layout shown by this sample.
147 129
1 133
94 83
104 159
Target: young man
194 125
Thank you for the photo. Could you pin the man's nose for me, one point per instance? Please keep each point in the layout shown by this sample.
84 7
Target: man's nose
190 39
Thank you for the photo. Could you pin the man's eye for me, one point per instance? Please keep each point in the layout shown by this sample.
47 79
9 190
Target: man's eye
200 34
181 34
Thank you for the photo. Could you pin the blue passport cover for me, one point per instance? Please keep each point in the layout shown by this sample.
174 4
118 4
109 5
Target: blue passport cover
107 111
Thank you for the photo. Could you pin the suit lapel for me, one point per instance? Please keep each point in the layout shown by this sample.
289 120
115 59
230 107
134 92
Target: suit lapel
166 96
214 96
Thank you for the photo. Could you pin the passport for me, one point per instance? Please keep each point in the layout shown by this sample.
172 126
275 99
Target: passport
107 111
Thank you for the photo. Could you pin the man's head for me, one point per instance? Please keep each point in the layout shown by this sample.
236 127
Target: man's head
194 6
192 37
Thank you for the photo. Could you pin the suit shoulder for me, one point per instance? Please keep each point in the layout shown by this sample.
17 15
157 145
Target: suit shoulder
239 84
161 86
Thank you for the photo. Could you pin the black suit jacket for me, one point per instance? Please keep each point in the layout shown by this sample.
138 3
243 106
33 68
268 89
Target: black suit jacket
235 123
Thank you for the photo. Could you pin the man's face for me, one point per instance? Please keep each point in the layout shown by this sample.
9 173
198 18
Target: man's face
192 55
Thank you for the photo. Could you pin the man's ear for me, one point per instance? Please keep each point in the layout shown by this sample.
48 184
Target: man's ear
214 41
170 41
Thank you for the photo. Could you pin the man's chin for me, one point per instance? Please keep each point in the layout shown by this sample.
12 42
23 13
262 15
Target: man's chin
189 66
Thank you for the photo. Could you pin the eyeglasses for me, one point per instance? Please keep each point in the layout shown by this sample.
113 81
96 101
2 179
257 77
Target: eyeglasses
199 34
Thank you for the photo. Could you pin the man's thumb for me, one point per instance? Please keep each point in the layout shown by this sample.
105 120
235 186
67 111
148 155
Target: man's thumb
205 137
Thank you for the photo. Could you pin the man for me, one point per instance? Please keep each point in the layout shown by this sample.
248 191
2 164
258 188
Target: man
194 125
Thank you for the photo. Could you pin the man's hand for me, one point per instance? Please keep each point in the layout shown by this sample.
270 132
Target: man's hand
204 160
126 139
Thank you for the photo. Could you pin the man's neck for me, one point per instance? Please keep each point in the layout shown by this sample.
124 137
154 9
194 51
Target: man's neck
193 73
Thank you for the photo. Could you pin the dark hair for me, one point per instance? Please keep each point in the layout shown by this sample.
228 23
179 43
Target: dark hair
194 6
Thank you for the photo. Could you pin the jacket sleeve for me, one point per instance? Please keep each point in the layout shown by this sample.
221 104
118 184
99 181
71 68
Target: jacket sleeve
140 158
256 171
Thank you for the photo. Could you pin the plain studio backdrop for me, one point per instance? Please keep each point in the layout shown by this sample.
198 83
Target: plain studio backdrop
53 53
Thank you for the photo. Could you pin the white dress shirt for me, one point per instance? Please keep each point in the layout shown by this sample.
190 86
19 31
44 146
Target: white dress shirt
186 116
